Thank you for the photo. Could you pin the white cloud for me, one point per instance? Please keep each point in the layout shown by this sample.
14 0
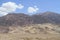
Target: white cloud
3 13
32 9
20 6
9 7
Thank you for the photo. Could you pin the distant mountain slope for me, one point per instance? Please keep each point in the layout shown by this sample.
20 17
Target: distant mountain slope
15 19
52 17
38 19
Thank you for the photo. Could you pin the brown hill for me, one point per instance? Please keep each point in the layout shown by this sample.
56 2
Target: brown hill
52 17
21 19
15 19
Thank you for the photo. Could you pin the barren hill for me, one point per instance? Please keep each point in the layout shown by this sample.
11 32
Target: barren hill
21 19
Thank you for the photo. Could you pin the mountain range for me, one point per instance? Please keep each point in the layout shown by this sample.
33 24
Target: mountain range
24 19
21 19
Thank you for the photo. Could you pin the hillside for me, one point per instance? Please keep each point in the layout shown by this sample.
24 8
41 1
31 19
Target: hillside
52 17
15 19
24 19
20 19
32 32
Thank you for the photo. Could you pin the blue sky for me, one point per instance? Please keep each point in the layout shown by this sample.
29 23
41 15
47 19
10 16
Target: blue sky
42 5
